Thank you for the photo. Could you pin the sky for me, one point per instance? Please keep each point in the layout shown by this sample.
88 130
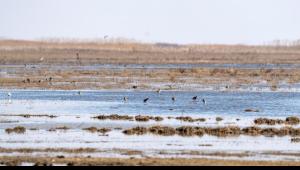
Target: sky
173 21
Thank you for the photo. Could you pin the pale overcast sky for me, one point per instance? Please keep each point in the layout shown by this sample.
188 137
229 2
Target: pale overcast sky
175 21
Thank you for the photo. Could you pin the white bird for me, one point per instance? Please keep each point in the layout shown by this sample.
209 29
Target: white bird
158 91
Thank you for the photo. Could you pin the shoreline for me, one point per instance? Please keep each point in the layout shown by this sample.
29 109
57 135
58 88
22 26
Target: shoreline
13 161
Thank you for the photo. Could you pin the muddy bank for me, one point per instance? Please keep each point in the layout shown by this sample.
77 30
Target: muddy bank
17 130
48 161
28 115
24 52
95 130
230 131
138 118
287 121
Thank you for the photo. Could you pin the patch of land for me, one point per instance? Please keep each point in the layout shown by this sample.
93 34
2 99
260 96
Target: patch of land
14 161
32 65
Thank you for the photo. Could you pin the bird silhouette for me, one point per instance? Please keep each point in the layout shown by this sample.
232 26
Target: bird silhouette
195 98
204 101
125 99
146 100
173 99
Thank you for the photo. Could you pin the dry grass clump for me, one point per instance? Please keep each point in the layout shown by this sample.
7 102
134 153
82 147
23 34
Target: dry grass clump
94 130
114 117
292 120
265 121
190 119
136 131
17 130
230 131
162 130
288 121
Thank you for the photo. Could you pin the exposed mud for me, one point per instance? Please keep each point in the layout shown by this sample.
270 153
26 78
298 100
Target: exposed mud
288 121
139 118
17 130
190 119
114 117
29 116
95 130
49 161
230 131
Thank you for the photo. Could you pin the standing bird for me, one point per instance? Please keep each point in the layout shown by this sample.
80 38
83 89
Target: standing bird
195 98
204 101
145 100
158 91
173 99
125 99
79 93
9 94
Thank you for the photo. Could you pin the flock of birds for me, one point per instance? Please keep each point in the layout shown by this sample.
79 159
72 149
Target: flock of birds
195 98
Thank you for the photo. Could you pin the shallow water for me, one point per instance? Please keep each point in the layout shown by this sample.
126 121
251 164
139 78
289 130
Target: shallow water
271 104
76 110
150 66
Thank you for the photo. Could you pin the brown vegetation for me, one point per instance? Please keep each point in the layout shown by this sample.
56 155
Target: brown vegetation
94 130
288 121
18 130
23 53
15 161
230 131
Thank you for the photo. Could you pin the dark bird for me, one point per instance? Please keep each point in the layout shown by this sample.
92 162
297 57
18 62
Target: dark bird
195 98
134 87
145 100
173 99
204 101
125 99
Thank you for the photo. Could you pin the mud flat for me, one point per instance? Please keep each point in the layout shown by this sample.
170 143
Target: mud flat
69 66
15 161
93 103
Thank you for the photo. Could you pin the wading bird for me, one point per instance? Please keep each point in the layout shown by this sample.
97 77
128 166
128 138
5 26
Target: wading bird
145 100
125 99
195 98
204 101
158 91
173 99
